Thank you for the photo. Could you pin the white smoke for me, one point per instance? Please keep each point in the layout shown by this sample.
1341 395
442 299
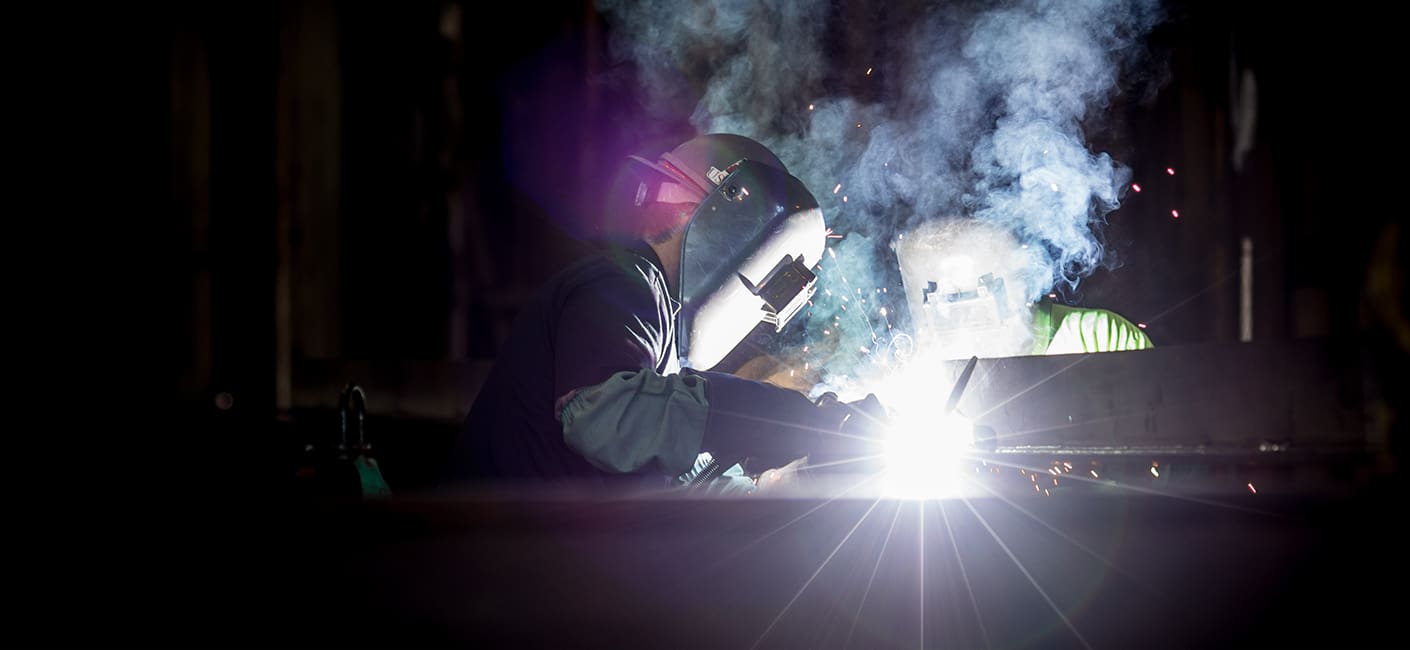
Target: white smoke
979 110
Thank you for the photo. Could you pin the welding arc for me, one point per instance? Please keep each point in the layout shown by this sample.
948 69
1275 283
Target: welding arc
960 385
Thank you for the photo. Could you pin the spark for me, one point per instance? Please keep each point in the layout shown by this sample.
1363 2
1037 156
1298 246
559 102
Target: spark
844 198
1067 464
883 289
1141 325
1252 489
790 373
859 125
868 72
1054 481
1175 213
834 236
805 348
1155 472
1094 474
810 107
1054 186
832 252
1170 170
837 188
1136 187
1046 493
864 349
826 332
828 292
883 311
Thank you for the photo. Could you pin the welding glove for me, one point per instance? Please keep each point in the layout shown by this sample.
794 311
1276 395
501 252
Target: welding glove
771 426
861 430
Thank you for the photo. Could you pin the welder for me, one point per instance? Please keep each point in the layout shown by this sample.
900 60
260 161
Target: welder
974 289
605 378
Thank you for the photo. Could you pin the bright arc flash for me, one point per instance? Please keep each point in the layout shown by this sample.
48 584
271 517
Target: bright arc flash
925 455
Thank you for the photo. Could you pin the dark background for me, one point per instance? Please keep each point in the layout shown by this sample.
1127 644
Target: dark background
260 202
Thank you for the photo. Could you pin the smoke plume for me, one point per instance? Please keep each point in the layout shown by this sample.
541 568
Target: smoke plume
898 115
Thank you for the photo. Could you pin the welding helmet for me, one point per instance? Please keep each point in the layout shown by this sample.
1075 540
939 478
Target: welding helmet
967 285
749 248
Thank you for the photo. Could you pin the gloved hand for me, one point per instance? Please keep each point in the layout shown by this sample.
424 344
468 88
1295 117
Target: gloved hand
854 443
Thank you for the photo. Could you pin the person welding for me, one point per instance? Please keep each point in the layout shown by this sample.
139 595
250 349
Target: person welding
968 285
606 376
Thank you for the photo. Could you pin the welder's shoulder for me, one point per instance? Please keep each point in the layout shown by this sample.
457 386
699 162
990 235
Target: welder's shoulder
609 281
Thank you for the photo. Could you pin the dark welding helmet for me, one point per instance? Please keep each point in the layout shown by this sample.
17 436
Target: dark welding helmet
749 249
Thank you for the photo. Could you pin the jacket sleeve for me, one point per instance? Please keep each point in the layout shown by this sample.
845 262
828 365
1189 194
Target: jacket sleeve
771 426
638 421
644 422
1094 330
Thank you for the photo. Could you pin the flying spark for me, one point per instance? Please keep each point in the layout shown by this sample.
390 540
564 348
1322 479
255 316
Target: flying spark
1094 474
1252 489
1175 213
1170 170
835 189
1155 472
810 107
1136 187
868 72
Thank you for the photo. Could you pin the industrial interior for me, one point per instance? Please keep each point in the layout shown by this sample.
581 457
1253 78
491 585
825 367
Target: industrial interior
348 205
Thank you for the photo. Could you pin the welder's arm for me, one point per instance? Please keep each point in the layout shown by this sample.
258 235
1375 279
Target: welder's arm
641 421
772 426
1094 330
638 421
